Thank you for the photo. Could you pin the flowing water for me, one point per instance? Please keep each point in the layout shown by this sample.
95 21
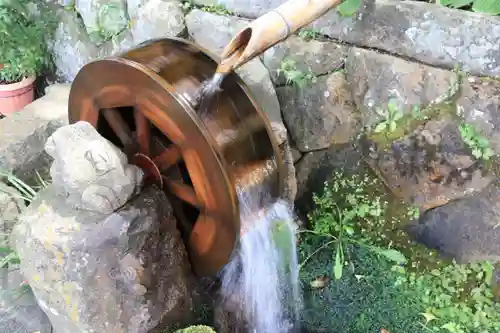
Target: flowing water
260 283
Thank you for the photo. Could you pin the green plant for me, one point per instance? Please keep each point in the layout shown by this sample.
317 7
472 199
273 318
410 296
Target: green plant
187 6
478 144
340 212
490 7
218 9
17 189
365 300
374 293
23 51
349 7
196 329
458 298
288 68
309 34
392 114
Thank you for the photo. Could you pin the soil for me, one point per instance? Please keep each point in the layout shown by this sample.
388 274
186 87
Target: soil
8 82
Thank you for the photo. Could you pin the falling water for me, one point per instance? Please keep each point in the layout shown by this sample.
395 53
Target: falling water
260 283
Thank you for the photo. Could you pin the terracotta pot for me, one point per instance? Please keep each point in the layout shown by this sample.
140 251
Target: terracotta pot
15 96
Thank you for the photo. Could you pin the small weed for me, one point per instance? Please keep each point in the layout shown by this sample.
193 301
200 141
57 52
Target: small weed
187 6
349 7
16 189
391 115
218 9
196 329
489 7
294 76
478 144
340 220
71 7
308 34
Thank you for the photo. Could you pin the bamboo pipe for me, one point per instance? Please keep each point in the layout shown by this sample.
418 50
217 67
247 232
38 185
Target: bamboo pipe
270 29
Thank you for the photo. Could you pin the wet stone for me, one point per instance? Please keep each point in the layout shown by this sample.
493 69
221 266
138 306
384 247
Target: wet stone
467 229
320 114
430 167
290 182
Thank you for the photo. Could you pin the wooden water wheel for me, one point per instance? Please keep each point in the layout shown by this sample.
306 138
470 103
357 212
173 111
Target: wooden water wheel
142 101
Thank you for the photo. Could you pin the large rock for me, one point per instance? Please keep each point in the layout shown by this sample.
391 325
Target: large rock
432 166
103 18
320 114
19 310
71 46
423 31
157 19
479 104
104 181
23 134
376 78
214 32
467 229
95 271
318 57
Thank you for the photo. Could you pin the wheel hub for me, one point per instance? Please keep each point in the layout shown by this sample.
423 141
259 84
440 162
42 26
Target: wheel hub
142 102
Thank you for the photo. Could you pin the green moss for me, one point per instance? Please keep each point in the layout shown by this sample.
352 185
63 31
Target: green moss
196 329
218 9
365 300
397 125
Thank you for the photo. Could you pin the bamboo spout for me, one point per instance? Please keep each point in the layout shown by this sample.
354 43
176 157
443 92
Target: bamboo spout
270 29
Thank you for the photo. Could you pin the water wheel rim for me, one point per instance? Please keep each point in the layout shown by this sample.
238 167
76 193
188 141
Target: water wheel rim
208 251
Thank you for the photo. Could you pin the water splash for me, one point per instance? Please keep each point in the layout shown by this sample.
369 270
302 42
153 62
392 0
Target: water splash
260 283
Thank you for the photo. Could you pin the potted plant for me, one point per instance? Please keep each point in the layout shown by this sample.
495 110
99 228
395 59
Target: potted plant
23 54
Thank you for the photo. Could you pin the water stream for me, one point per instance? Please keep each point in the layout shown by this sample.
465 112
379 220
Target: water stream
261 283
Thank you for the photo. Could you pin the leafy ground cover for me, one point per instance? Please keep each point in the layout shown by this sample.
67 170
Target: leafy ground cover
385 283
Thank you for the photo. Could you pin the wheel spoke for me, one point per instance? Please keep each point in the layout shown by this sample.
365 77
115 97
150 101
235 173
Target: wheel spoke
184 192
168 158
119 126
143 129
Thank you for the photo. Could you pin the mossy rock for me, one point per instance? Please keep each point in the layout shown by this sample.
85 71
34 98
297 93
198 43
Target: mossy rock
196 329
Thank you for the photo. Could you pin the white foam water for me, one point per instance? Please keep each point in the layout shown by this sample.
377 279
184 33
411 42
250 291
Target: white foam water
261 280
